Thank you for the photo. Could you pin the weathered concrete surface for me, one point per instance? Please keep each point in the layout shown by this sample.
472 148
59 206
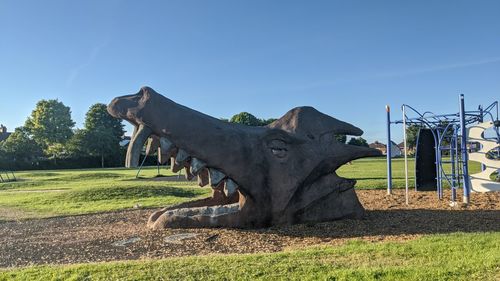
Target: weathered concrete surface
283 173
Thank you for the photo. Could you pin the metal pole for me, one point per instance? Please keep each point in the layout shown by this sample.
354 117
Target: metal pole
453 147
465 156
158 161
481 120
388 150
406 156
437 148
140 167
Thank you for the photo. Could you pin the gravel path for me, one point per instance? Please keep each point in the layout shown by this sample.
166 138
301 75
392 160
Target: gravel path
123 235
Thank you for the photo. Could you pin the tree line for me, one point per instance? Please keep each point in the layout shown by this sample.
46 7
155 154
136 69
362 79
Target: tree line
48 134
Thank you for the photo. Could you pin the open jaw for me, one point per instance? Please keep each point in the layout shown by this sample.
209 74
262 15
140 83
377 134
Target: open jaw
228 199
282 173
220 210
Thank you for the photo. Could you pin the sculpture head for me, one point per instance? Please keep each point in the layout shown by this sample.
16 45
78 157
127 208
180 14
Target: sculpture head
276 174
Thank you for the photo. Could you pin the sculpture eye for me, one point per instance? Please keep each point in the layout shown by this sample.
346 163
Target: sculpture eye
278 148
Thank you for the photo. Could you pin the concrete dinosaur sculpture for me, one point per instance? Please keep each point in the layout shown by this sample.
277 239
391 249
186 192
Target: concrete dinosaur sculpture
283 173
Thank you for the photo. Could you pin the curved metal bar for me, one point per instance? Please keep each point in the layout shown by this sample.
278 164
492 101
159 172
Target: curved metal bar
439 145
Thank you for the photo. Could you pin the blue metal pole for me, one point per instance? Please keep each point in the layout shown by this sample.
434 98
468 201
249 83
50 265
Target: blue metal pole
388 150
438 163
465 155
453 148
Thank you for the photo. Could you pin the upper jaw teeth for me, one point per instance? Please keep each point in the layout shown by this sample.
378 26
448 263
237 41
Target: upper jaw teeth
141 134
167 150
216 177
230 187
203 177
180 160
195 167
181 157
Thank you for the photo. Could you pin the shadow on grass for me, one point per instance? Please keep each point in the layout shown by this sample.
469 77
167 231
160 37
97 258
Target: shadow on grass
20 183
90 176
123 193
398 222
173 178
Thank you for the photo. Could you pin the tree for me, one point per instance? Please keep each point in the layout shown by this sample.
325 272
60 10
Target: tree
101 136
411 135
20 147
56 150
248 119
341 138
76 146
50 123
245 118
358 141
264 122
97 118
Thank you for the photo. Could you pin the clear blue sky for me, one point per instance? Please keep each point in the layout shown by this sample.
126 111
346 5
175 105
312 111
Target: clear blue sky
346 58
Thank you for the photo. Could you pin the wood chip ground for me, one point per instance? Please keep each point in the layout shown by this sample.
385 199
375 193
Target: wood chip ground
93 238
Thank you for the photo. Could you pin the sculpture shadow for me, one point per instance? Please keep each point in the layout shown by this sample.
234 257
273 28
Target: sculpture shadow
132 192
397 223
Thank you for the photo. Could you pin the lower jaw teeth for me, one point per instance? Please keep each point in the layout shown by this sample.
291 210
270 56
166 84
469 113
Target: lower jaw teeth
211 211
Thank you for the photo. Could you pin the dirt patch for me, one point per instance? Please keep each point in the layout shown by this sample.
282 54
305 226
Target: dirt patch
9 213
123 235
174 178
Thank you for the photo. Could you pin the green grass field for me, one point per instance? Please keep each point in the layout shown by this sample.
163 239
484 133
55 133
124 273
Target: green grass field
456 256
71 192
439 257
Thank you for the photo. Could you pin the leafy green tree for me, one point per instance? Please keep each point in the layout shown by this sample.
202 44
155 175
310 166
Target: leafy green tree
264 122
411 135
50 123
101 136
359 141
20 147
341 138
76 146
55 151
98 118
245 118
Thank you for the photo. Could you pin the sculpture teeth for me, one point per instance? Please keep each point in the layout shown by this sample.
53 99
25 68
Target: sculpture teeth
216 177
152 145
189 176
139 137
203 177
166 145
174 166
197 165
181 157
230 187
167 149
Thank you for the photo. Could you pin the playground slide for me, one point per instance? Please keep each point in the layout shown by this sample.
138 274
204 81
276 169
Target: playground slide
480 182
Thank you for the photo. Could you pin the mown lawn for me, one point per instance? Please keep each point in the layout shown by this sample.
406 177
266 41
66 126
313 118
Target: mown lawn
456 256
372 172
71 192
